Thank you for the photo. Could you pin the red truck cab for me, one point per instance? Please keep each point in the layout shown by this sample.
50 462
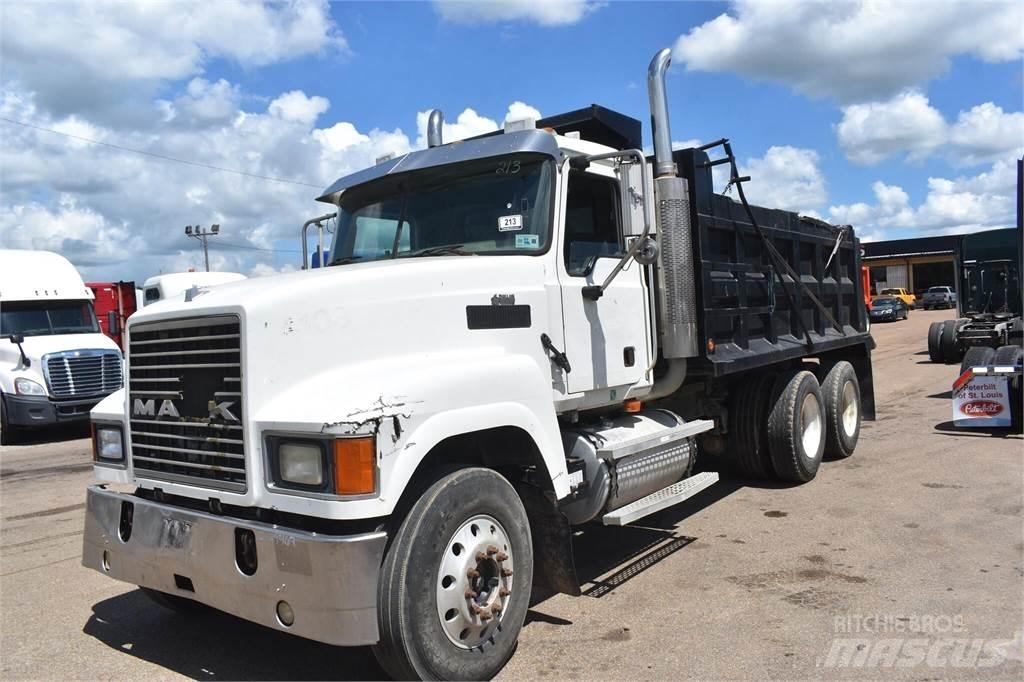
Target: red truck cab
114 303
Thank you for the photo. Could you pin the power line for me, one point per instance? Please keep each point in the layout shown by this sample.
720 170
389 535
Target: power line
159 156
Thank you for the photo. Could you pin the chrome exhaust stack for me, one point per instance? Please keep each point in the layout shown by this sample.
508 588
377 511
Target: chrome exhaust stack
676 279
435 124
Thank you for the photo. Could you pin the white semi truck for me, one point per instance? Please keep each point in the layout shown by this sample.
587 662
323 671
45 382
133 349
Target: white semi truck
516 334
55 363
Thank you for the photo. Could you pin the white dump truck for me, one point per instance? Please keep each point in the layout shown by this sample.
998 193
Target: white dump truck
516 334
55 363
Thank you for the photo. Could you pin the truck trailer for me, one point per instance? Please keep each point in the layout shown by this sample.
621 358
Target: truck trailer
516 335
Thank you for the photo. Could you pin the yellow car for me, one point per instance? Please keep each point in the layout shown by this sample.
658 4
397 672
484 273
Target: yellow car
901 294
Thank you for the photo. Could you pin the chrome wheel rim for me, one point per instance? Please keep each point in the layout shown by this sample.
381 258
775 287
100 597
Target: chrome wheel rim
850 409
810 424
474 581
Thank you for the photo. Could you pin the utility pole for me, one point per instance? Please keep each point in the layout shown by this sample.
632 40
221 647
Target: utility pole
201 234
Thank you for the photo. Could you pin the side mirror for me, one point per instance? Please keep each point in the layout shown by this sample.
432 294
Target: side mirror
18 339
113 324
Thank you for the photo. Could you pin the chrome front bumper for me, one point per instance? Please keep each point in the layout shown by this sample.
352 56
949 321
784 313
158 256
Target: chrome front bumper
329 581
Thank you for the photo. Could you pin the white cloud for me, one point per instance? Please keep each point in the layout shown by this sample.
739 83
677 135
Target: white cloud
785 177
296 106
962 204
852 51
520 110
543 12
986 132
107 57
121 215
909 124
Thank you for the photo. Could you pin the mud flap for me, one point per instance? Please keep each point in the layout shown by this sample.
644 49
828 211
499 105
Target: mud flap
553 567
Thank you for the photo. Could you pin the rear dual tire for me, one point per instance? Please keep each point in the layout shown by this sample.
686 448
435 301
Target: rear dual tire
796 427
977 356
934 342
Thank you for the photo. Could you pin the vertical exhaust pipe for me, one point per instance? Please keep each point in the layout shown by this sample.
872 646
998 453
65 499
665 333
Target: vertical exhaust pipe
660 131
435 125
678 300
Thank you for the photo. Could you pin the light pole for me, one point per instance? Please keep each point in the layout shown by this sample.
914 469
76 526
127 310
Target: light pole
201 234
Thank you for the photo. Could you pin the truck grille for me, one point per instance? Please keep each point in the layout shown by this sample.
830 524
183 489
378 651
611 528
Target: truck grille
185 402
85 373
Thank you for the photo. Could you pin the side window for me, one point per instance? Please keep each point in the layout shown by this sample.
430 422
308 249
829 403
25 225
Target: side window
152 294
591 221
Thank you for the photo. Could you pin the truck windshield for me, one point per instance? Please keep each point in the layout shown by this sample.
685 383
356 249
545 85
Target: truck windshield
41 318
490 206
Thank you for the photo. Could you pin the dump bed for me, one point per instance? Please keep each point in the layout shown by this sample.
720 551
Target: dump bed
749 317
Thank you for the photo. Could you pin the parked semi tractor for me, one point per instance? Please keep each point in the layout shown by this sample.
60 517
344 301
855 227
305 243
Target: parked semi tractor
517 334
55 364
989 327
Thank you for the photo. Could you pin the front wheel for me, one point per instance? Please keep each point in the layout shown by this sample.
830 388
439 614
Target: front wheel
456 580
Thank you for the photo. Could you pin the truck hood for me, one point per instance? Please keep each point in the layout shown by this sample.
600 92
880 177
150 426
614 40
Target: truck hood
354 319
359 285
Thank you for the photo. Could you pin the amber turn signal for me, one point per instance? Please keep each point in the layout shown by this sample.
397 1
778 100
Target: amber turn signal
632 405
355 467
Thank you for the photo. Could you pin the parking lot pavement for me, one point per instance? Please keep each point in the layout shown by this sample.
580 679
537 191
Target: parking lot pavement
905 561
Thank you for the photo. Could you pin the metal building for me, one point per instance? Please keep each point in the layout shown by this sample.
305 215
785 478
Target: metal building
912 264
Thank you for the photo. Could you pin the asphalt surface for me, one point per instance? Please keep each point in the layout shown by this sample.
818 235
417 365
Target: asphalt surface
903 561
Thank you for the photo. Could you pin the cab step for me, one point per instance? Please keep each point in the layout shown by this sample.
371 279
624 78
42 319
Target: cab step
661 499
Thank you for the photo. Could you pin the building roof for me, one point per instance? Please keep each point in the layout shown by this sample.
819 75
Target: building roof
905 248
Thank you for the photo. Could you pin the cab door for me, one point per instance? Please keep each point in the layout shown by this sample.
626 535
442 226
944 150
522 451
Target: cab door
607 340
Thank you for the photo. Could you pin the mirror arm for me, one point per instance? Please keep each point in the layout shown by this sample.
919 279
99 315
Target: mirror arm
595 291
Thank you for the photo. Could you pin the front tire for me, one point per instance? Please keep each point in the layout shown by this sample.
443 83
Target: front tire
8 434
456 580
796 427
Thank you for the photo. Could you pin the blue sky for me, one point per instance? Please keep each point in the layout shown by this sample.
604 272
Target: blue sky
897 120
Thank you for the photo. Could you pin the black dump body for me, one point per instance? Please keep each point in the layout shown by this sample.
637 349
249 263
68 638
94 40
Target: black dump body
747 314
989 272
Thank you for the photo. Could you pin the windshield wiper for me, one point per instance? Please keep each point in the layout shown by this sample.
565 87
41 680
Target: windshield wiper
346 260
453 249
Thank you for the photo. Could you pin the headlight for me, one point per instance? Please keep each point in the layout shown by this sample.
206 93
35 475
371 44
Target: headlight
107 443
28 387
301 463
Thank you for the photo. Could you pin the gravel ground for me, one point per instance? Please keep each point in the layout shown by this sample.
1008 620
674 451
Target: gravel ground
904 561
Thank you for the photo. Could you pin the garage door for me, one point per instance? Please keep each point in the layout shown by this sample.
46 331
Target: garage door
896 277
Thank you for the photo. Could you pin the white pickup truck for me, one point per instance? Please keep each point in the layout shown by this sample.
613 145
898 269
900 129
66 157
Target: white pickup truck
517 334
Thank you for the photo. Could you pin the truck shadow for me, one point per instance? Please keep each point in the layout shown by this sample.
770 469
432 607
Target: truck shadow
948 429
52 434
211 645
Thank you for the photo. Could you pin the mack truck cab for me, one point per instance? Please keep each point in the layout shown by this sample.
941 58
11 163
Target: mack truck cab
517 335
55 363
